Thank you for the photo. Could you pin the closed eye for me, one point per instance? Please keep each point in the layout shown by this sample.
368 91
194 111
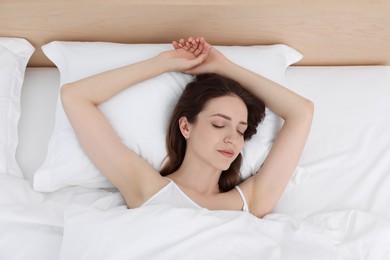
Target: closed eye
218 126
222 126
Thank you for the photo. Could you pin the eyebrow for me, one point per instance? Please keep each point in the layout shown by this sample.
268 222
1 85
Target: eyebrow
229 118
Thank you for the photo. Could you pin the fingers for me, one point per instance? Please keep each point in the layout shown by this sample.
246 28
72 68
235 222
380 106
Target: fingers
203 48
179 44
186 45
199 46
176 45
195 46
182 42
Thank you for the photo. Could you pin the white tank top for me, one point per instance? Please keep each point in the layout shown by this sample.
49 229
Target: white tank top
171 194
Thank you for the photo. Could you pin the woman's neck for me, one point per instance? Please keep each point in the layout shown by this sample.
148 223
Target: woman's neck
197 177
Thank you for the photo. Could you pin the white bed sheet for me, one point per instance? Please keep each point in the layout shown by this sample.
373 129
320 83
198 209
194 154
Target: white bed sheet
330 206
345 164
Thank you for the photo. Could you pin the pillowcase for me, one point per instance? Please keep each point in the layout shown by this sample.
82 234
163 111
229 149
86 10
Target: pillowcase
14 55
139 114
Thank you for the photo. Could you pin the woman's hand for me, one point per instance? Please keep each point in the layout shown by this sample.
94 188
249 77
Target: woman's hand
186 55
211 62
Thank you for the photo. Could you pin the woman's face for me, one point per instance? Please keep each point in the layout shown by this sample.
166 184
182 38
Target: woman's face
217 135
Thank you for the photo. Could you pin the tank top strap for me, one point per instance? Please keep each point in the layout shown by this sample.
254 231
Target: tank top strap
245 207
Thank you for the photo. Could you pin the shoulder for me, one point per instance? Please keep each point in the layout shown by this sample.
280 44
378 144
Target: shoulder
231 200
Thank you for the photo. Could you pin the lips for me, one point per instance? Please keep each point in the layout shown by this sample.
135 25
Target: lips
227 153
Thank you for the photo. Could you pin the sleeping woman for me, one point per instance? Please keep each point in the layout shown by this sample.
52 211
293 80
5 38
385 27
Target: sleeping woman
216 113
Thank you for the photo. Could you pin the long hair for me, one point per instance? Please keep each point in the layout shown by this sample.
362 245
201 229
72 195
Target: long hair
196 94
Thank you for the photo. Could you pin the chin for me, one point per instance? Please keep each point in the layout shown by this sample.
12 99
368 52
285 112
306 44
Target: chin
225 167
222 164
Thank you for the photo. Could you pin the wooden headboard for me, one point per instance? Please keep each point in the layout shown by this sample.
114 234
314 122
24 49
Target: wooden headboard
327 32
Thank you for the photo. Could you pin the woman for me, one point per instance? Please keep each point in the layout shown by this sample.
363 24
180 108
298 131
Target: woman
213 138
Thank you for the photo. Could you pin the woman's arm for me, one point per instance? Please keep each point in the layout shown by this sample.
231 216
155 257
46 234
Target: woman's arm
264 189
133 176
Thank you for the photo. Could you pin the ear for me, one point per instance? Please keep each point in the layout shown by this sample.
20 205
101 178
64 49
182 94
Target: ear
184 127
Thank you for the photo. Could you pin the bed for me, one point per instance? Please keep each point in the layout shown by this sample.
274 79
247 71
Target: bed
55 205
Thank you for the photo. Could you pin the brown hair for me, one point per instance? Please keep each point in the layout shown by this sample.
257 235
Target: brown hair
196 94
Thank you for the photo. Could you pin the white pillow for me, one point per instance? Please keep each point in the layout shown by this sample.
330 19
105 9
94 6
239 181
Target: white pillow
139 114
14 55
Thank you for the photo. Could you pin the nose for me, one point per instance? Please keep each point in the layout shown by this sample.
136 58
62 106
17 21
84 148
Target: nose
230 137
228 140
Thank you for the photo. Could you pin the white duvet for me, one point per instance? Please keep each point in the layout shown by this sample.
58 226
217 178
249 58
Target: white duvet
28 229
163 232
31 223
89 224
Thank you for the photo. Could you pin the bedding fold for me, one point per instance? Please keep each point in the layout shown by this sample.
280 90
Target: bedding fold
164 232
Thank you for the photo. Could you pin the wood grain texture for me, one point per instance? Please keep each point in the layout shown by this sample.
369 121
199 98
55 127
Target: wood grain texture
354 32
